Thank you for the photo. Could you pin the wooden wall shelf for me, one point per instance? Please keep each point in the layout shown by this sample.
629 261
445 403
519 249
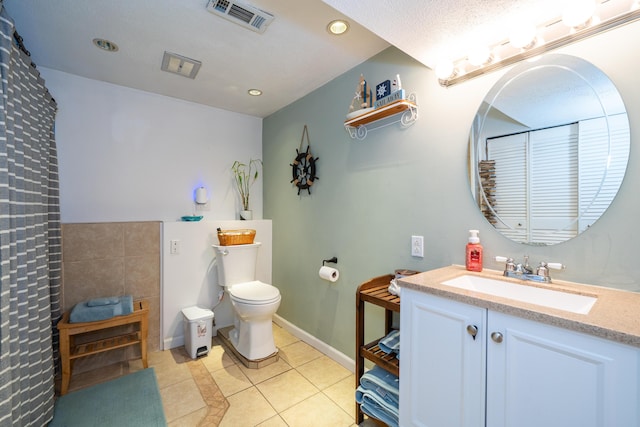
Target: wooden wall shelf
404 111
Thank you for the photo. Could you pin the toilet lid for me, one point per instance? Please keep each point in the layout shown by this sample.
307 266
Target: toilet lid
254 292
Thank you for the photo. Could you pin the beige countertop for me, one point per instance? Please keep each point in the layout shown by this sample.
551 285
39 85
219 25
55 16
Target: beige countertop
615 315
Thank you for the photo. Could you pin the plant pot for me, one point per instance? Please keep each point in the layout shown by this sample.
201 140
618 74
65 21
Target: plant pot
246 215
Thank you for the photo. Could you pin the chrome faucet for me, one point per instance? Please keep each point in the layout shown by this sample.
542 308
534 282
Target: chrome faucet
525 272
524 268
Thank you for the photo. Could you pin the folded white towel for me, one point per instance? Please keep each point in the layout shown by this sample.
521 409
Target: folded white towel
394 288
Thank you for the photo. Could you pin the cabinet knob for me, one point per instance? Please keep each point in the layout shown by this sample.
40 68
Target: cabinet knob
497 337
472 330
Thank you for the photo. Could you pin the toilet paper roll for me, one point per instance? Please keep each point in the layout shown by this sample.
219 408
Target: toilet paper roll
328 273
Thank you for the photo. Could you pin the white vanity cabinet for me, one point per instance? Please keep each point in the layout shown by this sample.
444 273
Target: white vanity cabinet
464 365
443 366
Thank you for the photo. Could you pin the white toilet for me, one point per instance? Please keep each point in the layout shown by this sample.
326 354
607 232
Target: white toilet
254 302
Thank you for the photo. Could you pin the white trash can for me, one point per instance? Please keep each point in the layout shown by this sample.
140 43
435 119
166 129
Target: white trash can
198 323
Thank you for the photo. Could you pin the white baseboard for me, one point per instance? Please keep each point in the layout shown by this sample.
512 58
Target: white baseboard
172 342
314 342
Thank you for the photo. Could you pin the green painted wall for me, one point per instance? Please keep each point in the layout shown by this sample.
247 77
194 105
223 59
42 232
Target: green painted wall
372 195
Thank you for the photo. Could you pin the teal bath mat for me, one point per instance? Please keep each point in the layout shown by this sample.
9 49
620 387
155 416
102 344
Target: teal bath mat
131 400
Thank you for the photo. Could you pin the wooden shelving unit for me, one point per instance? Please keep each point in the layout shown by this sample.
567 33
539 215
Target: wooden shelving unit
70 351
374 291
81 350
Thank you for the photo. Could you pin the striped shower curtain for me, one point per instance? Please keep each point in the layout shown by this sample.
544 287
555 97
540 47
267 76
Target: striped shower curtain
30 252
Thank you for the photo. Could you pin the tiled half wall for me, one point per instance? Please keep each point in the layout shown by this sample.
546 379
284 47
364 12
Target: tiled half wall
108 259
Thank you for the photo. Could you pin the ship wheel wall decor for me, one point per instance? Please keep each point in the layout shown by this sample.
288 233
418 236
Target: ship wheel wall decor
303 168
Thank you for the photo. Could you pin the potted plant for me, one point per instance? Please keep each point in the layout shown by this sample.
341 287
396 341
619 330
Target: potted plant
245 174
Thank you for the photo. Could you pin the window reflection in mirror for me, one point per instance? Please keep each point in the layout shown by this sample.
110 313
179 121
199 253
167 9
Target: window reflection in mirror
548 150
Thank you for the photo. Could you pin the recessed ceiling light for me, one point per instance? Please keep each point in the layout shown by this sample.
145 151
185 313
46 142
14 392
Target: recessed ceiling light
107 45
338 27
254 92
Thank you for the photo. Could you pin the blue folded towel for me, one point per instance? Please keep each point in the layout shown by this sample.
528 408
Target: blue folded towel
103 301
383 383
380 415
372 405
376 398
379 395
390 343
83 312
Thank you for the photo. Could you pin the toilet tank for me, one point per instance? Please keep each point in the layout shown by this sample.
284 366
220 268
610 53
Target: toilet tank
237 263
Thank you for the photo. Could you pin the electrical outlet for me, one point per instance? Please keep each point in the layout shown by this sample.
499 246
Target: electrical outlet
174 247
417 246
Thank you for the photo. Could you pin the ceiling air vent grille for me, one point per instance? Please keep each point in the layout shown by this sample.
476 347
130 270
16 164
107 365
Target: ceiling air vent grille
242 14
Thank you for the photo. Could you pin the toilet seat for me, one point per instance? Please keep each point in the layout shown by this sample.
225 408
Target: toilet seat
255 293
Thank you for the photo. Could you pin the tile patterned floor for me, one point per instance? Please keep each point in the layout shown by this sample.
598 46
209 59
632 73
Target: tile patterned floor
304 388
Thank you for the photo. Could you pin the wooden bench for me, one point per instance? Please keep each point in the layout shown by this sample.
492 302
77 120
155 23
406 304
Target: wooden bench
69 351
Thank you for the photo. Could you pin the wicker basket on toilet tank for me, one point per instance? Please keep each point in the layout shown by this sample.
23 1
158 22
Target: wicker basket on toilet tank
236 237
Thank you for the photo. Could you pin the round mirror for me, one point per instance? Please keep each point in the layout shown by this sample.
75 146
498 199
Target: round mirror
548 150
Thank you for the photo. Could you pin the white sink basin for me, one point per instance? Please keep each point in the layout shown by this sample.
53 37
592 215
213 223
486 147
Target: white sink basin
530 294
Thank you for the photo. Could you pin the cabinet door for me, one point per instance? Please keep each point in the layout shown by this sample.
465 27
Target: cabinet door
442 366
540 375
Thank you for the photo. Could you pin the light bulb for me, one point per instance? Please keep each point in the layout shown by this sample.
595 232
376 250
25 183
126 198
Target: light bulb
523 36
578 12
479 56
338 27
444 69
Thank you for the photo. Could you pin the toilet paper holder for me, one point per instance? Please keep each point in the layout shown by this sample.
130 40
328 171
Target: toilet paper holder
333 260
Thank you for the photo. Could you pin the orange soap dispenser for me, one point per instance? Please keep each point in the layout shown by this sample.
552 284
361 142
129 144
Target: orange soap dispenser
473 260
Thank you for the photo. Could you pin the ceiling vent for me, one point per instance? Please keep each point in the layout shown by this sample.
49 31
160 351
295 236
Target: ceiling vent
242 14
180 65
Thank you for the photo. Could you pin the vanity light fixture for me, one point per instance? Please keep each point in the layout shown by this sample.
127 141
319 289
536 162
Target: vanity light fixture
589 18
338 27
254 92
105 44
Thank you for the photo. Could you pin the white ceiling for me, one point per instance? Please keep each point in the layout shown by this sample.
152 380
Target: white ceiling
292 58
430 30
